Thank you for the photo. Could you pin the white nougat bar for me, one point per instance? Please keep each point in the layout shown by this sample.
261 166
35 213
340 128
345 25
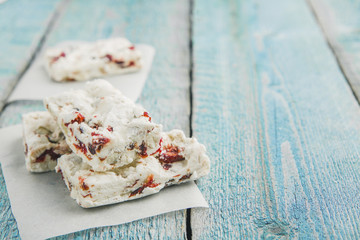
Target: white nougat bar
103 127
43 141
84 61
179 159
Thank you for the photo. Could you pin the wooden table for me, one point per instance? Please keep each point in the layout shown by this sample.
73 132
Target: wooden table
271 87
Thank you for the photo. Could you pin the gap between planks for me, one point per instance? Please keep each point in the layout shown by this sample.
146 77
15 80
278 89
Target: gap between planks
191 64
332 48
54 17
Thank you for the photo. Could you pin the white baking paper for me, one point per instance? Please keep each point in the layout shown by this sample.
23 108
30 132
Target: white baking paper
43 208
36 83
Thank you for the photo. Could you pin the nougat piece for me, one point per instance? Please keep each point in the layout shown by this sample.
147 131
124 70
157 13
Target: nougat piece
84 61
106 129
43 141
179 159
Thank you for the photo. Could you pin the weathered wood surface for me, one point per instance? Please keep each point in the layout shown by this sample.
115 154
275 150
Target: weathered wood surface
164 25
23 24
269 102
279 121
340 22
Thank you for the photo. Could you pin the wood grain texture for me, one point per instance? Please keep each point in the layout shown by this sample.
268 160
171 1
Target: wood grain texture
162 24
7 221
22 25
279 121
340 22
12 113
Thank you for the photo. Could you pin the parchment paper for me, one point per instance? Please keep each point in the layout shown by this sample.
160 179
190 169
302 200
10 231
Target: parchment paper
36 83
43 208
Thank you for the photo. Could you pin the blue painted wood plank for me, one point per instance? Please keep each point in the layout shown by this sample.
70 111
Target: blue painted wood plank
165 94
340 21
12 113
279 121
22 24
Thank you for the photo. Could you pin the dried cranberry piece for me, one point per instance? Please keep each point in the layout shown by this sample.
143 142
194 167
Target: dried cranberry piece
159 149
97 143
81 146
100 141
136 191
79 119
49 152
132 48
143 149
41 158
166 166
109 57
57 57
171 155
187 176
83 185
92 149
110 128
149 182
131 63
69 79
146 114
120 62
87 195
